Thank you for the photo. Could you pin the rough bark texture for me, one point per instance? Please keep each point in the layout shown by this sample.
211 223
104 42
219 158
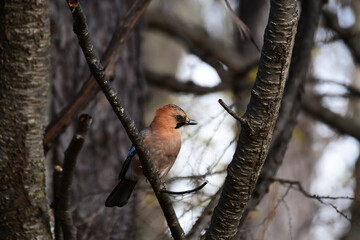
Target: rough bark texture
24 71
107 144
290 106
261 114
62 202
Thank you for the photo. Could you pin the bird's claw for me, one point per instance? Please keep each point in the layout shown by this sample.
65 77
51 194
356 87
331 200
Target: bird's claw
163 186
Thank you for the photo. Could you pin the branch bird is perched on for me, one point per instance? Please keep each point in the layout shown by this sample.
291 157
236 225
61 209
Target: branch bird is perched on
163 140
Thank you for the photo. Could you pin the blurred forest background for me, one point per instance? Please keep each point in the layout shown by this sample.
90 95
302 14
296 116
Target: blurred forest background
190 53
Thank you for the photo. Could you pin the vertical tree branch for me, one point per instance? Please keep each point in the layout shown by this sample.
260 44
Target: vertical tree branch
56 188
290 107
81 30
71 153
261 115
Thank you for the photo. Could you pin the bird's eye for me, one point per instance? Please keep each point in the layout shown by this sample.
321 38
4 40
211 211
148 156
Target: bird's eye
178 118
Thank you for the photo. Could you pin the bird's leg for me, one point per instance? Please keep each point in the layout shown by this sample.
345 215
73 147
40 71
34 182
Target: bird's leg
163 186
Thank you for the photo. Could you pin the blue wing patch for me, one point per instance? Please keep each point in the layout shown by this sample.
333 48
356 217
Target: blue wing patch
126 164
132 152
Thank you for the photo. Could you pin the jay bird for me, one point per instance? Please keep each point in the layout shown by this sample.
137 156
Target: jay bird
163 140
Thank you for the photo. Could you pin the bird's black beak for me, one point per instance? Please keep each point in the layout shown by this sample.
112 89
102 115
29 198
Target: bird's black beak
188 122
191 122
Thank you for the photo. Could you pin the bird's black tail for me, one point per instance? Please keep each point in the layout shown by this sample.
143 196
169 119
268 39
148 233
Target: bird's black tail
121 193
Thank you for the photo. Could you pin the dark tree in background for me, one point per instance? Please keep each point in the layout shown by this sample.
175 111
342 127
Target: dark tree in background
107 143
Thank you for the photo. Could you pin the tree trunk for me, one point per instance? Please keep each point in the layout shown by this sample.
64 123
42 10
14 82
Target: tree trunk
258 121
24 71
290 108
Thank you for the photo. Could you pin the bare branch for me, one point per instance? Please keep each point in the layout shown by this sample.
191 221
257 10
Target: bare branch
320 199
290 106
231 112
56 188
90 87
336 121
350 38
290 219
301 189
354 230
71 153
261 114
187 191
273 204
243 121
57 126
198 42
171 83
81 30
243 29
196 177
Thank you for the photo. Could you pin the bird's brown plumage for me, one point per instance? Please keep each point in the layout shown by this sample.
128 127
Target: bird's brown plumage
163 140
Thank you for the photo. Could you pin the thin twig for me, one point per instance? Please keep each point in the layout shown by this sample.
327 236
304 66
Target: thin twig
71 153
55 205
243 121
348 35
289 217
243 29
187 191
320 199
231 112
200 176
304 192
272 210
96 68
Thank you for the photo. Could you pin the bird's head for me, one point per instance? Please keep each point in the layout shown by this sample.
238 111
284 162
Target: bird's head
171 116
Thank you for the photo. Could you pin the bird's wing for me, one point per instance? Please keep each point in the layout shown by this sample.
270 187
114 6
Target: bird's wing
126 163
132 152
